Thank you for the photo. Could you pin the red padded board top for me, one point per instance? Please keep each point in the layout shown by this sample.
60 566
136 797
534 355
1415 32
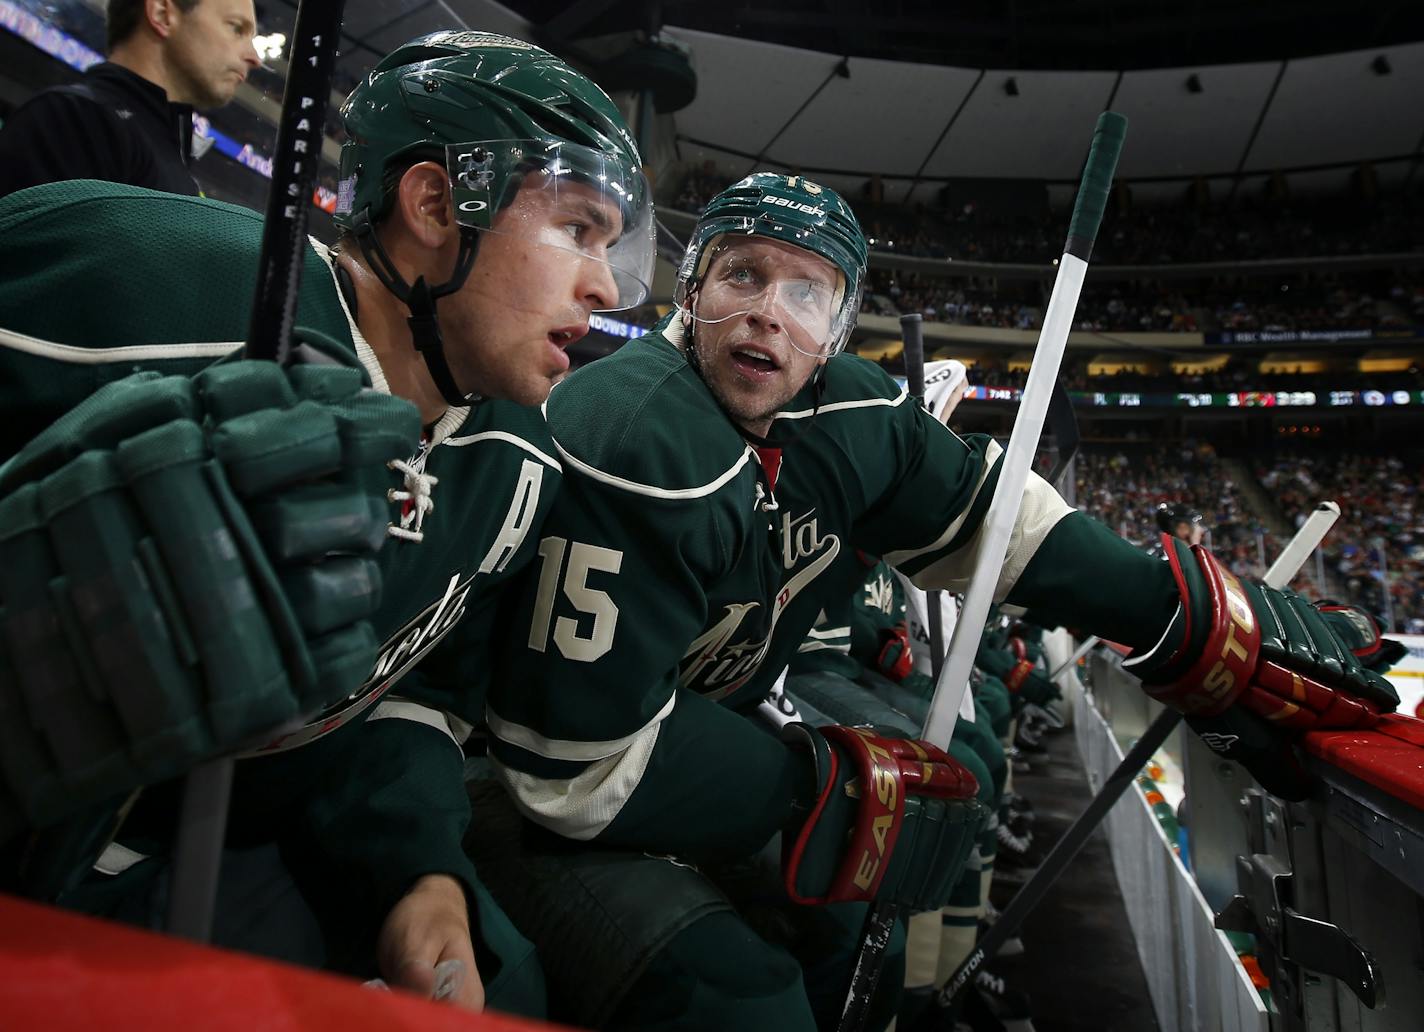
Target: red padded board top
1390 757
64 971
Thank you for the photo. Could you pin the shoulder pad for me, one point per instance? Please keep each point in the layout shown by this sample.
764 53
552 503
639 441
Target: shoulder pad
642 419
850 383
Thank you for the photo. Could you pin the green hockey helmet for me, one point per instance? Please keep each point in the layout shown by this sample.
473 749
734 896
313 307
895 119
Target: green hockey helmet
795 211
1170 516
501 115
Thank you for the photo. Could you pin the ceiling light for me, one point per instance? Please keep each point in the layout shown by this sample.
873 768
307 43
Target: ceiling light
270 46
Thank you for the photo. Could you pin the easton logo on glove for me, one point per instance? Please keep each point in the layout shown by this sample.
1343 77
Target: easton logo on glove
870 789
1233 648
1014 679
1272 652
875 833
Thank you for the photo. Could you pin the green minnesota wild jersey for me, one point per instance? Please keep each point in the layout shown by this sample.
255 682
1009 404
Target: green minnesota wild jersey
847 636
99 280
680 569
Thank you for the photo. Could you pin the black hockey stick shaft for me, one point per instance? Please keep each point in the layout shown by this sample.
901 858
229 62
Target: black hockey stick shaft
1063 424
912 331
197 852
294 169
1059 857
880 919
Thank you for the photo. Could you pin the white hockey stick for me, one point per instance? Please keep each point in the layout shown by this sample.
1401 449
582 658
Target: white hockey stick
1306 540
1028 427
1003 512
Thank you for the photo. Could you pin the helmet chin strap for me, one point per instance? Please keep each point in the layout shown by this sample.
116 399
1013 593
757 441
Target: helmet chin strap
818 391
420 298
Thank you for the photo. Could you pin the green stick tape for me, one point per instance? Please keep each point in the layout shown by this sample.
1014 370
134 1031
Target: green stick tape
1097 180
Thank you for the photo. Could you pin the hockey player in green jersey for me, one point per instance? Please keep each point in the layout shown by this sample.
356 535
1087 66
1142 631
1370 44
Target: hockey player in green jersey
719 476
491 198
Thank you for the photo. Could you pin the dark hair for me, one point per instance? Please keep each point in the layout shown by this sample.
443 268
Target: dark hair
121 18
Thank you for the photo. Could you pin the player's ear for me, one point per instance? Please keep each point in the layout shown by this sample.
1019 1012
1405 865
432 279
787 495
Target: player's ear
161 16
423 203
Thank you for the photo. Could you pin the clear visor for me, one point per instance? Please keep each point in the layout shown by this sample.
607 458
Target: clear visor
785 288
752 267
592 207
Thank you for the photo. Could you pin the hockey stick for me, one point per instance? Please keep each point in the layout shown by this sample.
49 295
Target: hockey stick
880 920
1078 653
912 330
1063 424
1028 425
953 680
197 851
1306 540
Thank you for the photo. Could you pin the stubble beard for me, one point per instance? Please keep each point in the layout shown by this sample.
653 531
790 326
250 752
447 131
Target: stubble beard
752 416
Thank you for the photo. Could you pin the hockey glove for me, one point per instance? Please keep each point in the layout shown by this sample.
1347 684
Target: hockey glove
895 659
893 819
1016 670
1252 667
189 563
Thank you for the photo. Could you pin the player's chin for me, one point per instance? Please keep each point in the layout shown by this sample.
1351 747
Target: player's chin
535 391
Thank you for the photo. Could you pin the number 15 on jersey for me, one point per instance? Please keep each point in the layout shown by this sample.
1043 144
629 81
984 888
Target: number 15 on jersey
573 575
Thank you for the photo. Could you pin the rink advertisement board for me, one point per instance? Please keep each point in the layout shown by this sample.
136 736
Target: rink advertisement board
1237 338
1221 400
1407 675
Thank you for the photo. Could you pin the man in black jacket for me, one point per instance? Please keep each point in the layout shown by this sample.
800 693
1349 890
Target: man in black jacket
129 120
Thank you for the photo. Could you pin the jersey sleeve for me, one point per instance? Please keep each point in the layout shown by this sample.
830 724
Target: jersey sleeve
383 804
929 521
941 502
1086 577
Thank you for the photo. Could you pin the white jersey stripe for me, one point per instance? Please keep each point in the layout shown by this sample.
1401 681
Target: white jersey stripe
99 356
582 806
633 487
841 406
404 709
528 739
508 438
991 456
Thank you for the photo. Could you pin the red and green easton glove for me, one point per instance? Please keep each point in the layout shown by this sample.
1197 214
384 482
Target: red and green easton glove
1251 666
895 660
188 563
893 819
1013 665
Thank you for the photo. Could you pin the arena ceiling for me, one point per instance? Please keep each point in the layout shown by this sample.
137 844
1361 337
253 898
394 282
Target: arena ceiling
921 91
